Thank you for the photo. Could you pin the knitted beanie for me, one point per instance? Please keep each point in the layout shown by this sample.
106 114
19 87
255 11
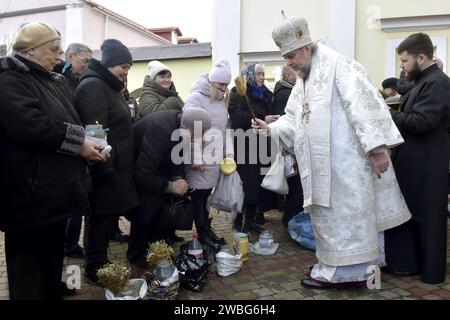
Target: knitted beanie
155 67
220 72
33 35
115 53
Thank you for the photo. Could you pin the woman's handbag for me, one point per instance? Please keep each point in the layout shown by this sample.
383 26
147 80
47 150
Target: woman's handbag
177 214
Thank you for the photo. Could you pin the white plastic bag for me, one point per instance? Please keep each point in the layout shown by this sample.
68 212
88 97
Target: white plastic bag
228 264
164 290
275 180
134 290
228 195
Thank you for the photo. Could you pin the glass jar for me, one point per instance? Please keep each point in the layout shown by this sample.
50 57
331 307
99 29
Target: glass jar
164 270
96 131
266 239
97 134
243 245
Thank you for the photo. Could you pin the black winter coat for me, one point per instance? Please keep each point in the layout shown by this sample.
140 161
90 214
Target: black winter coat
154 167
240 117
98 98
40 140
281 95
421 167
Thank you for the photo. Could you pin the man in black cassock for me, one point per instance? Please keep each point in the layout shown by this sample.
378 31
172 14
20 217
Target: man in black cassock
421 165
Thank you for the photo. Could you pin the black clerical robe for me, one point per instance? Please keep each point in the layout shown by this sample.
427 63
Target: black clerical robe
421 165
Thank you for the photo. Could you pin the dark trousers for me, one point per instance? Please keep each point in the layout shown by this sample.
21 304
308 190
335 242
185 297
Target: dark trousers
73 231
34 261
294 199
250 212
201 213
140 237
97 232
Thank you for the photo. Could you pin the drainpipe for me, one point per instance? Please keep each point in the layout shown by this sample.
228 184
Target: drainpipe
105 36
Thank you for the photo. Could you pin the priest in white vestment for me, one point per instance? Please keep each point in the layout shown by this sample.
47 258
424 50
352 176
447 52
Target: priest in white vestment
340 128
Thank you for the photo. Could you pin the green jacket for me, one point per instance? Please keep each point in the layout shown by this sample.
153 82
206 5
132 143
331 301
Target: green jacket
156 98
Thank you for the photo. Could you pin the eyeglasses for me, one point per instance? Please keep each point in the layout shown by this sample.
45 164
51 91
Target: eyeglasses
84 60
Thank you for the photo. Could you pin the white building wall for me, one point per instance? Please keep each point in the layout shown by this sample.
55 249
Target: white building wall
343 26
79 22
128 35
93 20
226 31
16 5
9 26
74 23
258 19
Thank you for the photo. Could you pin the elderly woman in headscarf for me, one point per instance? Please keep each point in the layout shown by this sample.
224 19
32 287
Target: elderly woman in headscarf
247 155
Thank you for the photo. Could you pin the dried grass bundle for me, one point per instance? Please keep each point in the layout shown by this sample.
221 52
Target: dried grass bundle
158 250
232 241
114 276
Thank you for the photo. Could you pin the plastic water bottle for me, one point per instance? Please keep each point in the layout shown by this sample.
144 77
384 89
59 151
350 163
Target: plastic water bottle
195 247
266 239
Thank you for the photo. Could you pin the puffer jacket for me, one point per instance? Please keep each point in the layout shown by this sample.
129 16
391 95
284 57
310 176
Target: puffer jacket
156 98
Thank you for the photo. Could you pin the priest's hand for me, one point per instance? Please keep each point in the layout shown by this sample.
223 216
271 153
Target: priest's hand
260 126
379 163
271 118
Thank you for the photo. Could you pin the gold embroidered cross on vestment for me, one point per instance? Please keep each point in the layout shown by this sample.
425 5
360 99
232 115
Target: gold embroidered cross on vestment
305 108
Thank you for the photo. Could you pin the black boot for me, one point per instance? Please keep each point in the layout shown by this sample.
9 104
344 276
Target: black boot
249 221
204 237
260 219
213 236
171 235
251 226
116 235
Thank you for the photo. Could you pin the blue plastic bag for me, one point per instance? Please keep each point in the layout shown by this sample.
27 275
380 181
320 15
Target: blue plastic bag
300 229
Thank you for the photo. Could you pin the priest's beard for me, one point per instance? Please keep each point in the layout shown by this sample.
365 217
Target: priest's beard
414 73
304 71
